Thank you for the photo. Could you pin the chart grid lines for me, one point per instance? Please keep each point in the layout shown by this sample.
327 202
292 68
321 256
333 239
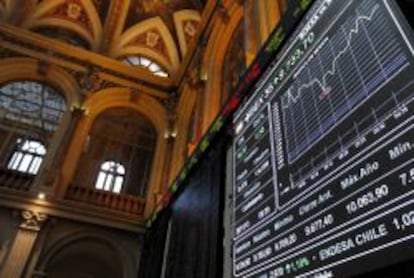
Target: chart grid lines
337 161
313 106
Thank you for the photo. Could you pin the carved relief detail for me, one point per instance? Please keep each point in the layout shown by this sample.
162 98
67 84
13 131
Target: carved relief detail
152 39
73 11
190 28
32 220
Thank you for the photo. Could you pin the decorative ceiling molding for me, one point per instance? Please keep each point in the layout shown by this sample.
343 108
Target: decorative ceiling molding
186 25
78 60
95 19
140 10
79 16
208 17
113 24
103 21
150 38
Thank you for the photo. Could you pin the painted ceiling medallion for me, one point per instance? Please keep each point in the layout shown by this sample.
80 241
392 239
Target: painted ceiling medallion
190 29
152 39
73 11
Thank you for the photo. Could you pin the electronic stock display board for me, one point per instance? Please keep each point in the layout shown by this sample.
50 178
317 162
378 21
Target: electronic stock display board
323 164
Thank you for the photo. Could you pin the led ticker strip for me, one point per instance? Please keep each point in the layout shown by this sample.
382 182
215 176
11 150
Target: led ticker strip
294 13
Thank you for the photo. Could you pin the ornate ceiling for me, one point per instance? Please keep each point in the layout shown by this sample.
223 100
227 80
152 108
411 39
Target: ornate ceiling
159 30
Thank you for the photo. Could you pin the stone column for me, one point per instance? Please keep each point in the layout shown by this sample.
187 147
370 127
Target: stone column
23 244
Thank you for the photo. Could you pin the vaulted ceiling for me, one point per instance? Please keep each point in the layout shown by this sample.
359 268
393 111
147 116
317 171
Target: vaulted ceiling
160 31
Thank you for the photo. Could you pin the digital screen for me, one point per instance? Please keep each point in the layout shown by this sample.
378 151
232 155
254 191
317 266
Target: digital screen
323 172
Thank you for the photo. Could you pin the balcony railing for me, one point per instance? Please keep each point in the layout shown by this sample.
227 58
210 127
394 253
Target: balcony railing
15 180
118 202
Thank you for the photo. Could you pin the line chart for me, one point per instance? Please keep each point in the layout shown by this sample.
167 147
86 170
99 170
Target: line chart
353 62
323 83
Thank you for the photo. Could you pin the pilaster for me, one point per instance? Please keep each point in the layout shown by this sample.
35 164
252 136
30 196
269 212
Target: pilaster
23 244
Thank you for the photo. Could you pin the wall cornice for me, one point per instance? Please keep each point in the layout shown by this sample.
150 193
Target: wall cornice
72 210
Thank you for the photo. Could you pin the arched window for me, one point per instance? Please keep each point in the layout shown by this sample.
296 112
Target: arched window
139 61
110 177
27 156
30 113
31 103
118 154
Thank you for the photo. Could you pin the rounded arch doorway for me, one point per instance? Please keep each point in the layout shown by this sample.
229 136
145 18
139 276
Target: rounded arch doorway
85 258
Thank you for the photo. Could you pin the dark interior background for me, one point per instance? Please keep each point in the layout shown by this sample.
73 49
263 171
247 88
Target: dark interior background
195 233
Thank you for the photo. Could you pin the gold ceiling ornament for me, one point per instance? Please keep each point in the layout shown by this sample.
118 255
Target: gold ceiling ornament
152 39
190 28
74 10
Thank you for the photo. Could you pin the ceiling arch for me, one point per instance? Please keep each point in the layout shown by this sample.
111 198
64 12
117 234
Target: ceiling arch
80 16
160 30
186 24
150 38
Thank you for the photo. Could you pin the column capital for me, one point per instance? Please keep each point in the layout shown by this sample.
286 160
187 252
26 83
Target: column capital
32 220
78 111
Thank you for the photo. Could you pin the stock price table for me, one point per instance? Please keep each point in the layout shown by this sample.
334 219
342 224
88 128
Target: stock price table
323 172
